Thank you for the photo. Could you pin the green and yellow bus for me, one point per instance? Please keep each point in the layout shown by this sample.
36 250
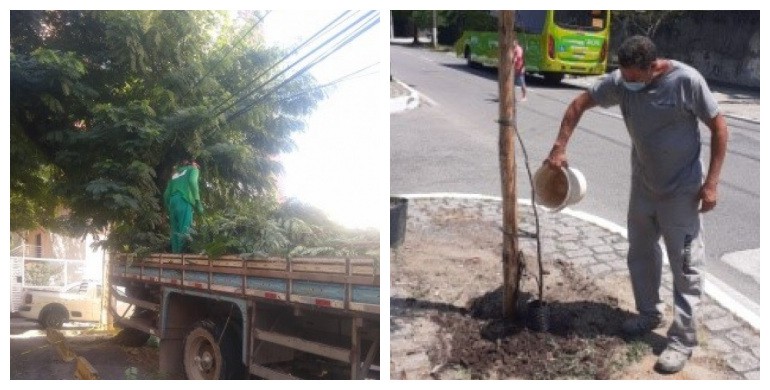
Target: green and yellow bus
555 43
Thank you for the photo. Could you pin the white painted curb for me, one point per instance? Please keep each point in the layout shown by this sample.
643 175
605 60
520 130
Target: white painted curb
403 103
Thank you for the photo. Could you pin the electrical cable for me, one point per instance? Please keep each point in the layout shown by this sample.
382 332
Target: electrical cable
347 77
353 35
328 27
219 62
299 72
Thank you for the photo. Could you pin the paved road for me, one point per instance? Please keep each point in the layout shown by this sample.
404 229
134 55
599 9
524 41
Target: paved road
449 144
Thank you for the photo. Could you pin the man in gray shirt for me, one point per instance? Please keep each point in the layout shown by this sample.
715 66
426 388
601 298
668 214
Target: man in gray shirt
661 101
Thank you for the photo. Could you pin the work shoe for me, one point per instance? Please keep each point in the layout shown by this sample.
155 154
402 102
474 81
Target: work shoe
640 325
672 360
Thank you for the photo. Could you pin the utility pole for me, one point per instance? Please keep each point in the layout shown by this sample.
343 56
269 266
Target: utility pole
511 267
434 32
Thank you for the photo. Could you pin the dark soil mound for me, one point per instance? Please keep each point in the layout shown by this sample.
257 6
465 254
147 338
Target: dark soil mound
583 338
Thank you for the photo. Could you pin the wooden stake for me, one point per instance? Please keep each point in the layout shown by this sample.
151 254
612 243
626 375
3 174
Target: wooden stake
508 166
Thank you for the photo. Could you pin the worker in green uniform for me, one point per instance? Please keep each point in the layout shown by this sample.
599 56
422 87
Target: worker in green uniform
181 197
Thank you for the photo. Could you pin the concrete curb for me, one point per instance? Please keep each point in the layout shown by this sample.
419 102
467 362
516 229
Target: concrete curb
407 102
725 296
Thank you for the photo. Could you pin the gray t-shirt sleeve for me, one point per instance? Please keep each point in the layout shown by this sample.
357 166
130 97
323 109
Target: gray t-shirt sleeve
703 103
605 91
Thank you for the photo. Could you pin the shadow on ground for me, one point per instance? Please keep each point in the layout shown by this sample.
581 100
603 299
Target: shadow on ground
583 340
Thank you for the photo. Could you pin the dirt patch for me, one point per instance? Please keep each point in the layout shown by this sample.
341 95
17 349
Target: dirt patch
33 357
446 312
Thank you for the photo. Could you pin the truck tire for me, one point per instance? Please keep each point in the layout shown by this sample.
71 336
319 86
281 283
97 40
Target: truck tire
206 358
53 316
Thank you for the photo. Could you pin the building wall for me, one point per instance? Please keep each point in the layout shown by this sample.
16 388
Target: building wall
722 45
53 246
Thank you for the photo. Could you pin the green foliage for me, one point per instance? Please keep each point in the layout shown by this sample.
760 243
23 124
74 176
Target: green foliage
42 273
289 230
131 373
472 20
104 103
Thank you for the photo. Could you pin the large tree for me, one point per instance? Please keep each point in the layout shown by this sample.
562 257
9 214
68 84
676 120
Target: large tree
104 103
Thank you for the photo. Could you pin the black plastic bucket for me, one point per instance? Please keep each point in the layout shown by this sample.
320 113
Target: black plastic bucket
398 208
538 316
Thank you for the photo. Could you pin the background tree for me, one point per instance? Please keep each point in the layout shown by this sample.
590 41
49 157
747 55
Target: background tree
645 23
103 104
451 24
414 21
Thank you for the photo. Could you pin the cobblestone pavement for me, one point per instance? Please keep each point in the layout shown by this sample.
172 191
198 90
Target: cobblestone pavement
600 252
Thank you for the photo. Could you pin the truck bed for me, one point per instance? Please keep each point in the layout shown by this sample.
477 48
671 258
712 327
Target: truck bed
344 284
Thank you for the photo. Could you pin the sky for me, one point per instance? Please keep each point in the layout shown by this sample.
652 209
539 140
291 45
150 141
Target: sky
336 166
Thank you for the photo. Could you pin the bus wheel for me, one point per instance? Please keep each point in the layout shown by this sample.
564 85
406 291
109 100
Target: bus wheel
467 55
553 78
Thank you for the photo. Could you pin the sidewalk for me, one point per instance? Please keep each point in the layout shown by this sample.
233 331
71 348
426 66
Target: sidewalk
597 248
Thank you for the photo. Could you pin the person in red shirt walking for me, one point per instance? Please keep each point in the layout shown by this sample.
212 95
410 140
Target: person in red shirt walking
518 68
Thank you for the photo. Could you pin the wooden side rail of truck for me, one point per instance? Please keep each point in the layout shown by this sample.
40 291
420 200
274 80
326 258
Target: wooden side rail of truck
226 318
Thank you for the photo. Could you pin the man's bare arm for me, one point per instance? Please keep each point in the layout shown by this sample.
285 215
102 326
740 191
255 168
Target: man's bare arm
719 136
558 156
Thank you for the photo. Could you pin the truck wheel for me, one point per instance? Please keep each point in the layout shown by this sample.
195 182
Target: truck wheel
205 358
53 317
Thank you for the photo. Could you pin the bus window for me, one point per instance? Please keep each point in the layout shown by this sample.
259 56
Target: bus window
530 22
581 20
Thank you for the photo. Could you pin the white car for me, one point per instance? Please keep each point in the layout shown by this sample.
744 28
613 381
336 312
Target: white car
80 302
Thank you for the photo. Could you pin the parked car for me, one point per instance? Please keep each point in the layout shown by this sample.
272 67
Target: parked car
80 302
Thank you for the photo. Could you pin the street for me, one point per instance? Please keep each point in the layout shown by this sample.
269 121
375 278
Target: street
450 145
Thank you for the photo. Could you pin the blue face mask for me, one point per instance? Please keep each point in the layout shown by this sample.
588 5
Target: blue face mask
634 86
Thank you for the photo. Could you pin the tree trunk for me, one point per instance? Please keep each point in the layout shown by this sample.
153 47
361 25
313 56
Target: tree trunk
511 269
434 32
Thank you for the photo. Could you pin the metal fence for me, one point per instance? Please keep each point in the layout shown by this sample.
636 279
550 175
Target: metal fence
42 274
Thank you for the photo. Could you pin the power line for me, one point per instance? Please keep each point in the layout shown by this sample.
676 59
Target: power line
286 70
232 50
334 23
369 21
347 77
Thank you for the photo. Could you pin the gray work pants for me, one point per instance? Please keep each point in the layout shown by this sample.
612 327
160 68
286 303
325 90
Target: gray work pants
677 220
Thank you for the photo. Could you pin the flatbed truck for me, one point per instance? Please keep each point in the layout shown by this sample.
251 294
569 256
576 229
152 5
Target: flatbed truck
236 318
